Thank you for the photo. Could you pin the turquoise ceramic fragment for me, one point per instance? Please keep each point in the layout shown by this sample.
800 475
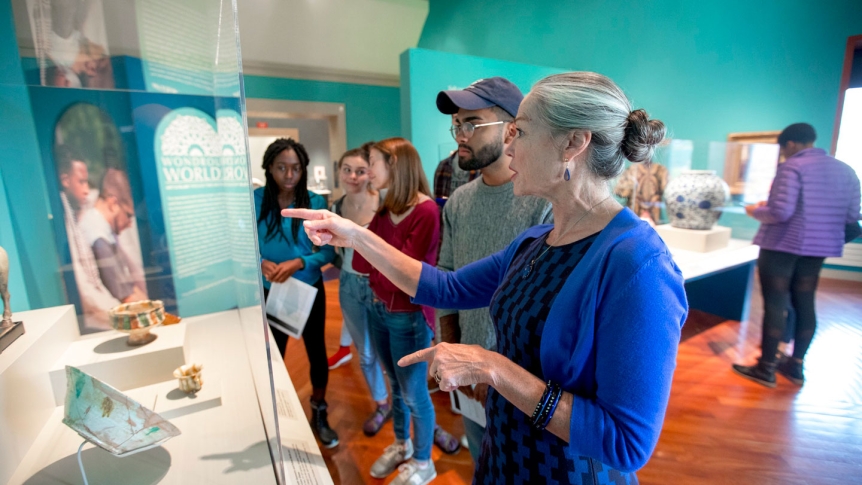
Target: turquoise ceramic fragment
109 419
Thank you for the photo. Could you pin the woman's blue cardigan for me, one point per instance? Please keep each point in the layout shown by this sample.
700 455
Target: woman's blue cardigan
610 339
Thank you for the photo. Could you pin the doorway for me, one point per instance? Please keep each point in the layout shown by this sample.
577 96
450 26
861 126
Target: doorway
320 127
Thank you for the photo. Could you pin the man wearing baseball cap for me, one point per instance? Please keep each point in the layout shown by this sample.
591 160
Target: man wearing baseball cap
482 217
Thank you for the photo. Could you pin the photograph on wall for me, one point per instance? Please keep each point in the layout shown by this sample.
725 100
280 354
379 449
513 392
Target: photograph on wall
99 213
70 43
749 169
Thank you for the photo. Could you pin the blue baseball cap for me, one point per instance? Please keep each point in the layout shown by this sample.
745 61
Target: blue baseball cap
484 93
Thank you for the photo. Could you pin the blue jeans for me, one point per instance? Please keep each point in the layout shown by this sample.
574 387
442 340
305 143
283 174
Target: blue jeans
396 335
355 296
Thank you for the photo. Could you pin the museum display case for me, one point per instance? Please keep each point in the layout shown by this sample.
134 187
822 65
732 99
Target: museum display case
132 255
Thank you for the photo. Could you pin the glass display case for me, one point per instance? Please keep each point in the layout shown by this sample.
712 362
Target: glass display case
126 180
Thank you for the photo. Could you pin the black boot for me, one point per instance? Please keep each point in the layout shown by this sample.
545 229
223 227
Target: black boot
761 373
319 424
792 370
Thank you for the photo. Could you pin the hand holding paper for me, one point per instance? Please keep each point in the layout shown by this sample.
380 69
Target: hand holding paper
289 305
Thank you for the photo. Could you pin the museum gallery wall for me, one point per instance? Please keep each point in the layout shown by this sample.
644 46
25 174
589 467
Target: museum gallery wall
142 153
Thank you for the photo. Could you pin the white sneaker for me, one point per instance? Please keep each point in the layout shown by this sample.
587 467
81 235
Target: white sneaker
394 455
411 474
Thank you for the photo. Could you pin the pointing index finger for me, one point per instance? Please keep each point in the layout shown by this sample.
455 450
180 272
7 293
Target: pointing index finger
424 355
308 214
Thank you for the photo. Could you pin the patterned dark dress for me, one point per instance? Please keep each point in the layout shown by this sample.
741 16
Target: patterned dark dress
512 450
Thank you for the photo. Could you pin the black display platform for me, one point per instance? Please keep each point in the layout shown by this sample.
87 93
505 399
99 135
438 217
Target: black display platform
10 334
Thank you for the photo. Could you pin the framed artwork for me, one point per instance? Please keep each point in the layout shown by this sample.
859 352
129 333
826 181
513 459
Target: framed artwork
749 156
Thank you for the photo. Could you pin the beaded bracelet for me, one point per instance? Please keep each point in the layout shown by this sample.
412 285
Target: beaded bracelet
539 422
543 402
548 401
552 406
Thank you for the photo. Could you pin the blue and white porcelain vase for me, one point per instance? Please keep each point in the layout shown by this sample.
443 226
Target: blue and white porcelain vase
695 198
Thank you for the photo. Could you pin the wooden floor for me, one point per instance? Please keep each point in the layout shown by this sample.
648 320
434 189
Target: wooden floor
350 404
720 428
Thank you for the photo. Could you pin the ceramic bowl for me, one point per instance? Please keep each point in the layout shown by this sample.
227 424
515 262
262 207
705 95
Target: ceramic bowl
137 318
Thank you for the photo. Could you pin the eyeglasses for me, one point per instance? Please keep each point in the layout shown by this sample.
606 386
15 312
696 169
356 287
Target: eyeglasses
468 128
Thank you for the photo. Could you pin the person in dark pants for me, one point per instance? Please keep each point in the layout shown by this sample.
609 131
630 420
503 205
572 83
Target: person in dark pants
287 252
813 198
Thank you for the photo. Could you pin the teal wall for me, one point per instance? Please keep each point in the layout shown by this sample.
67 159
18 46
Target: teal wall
371 112
706 68
26 212
428 73
424 73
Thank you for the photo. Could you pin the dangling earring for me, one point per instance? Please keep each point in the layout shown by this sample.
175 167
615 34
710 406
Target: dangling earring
566 175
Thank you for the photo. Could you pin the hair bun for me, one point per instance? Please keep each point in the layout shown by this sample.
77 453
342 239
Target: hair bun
641 136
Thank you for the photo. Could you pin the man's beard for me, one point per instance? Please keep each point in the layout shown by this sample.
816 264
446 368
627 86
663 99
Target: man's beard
486 155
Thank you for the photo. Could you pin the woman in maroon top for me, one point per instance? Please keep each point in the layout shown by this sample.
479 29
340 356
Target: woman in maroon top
409 220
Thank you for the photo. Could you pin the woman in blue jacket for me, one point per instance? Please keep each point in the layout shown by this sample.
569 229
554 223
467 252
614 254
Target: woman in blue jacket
588 311
286 252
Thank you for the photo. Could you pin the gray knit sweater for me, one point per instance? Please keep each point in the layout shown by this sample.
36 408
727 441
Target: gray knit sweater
478 221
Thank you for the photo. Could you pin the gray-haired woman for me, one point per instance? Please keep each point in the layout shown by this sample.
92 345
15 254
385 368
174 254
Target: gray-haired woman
588 311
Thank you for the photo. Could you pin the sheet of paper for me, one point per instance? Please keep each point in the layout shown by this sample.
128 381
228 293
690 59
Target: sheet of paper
469 408
289 305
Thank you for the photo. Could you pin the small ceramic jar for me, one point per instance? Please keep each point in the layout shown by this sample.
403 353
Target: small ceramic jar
189 377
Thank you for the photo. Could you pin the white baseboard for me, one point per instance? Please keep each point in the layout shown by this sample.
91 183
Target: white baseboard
837 274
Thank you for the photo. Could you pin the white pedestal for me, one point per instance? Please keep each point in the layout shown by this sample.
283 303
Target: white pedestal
107 357
695 240
170 402
695 265
223 440
26 396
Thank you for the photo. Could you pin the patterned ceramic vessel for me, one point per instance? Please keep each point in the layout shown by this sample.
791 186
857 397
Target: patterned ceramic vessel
137 318
189 377
694 199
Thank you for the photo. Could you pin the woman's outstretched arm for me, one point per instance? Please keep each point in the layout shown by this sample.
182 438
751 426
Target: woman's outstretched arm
324 227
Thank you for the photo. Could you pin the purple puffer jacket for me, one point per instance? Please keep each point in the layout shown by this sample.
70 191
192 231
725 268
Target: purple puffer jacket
812 198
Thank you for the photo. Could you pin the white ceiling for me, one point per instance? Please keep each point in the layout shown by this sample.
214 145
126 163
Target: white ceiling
346 40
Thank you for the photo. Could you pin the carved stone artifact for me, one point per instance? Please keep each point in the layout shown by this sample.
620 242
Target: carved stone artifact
9 330
642 186
4 288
